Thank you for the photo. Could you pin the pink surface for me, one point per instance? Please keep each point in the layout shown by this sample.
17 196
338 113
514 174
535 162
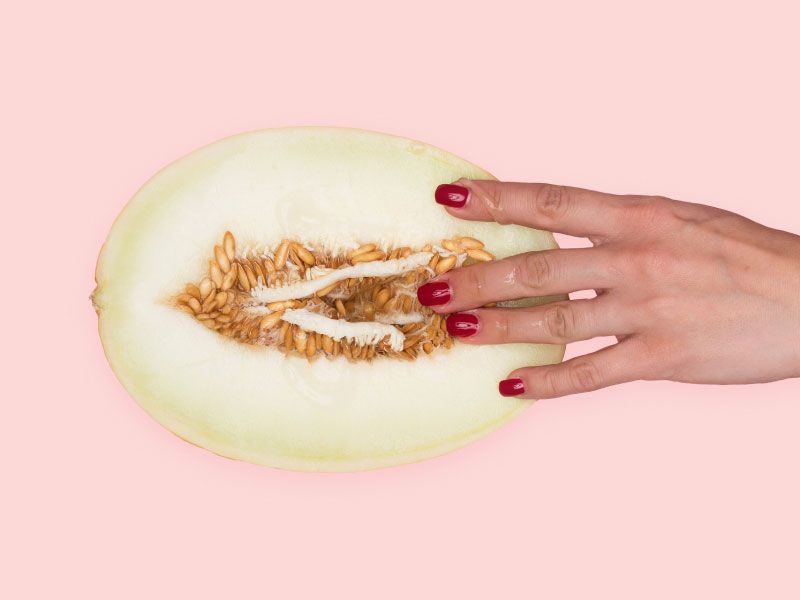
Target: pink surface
648 490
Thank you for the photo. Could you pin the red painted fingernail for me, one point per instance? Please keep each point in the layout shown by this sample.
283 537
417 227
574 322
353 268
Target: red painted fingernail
462 324
434 293
512 387
451 195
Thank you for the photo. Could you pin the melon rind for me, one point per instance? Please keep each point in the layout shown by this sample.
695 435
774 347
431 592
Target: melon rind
337 187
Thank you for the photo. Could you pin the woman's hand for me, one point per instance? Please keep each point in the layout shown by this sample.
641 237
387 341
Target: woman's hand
692 293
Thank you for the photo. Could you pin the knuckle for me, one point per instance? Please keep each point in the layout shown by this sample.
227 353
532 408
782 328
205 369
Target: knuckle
551 384
492 197
570 378
654 263
552 201
661 201
651 212
661 309
559 322
584 376
538 269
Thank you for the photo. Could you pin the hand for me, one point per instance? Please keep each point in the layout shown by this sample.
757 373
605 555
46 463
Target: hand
691 292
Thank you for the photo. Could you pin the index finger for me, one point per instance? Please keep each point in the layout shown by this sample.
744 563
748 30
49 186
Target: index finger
563 209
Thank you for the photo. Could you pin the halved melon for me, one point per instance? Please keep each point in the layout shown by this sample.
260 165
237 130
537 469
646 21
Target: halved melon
257 298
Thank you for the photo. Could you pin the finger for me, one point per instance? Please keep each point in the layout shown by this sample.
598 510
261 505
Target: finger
619 363
556 323
563 209
539 273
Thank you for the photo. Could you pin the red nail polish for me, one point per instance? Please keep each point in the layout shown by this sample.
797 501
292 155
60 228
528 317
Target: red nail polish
462 324
451 195
512 387
434 293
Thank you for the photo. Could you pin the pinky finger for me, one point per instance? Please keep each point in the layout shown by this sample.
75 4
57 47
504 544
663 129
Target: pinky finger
622 362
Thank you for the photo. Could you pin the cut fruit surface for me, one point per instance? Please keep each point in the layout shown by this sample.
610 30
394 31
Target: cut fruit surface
258 298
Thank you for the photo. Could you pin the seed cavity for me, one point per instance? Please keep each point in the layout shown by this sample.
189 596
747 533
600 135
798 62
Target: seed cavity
376 268
364 333
314 302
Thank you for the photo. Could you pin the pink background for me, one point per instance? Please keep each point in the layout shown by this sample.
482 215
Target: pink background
648 490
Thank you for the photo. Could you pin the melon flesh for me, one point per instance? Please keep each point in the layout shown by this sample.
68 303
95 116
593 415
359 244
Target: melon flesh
333 187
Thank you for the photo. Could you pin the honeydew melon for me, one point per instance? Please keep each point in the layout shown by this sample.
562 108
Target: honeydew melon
332 191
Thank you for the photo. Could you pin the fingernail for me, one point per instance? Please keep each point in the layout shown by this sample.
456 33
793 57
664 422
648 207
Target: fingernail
451 195
512 387
462 324
434 293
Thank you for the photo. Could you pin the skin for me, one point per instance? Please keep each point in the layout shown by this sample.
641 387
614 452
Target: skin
692 293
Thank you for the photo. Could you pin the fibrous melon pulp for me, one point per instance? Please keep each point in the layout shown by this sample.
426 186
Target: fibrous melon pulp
258 298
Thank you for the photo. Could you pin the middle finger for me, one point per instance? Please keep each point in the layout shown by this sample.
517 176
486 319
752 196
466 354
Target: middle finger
541 273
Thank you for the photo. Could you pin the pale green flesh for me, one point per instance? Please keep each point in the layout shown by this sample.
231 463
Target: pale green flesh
319 185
